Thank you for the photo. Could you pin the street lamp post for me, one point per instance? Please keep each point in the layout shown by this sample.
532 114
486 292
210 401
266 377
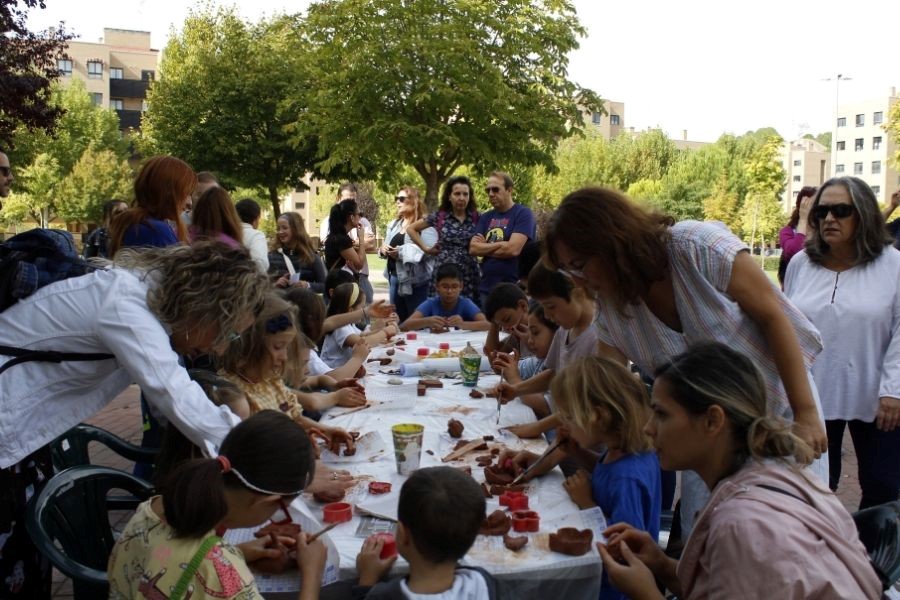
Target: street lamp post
837 89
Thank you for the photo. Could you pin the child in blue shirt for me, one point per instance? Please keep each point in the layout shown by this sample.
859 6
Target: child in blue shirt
447 309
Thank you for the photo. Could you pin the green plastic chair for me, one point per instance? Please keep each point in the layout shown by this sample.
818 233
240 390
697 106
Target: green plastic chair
71 448
68 522
879 531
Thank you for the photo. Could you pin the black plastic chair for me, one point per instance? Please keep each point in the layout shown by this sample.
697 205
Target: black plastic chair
71 448
69 523
879 531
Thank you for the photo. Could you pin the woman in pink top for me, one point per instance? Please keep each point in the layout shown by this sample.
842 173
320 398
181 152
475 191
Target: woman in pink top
769 530
792 237
215 218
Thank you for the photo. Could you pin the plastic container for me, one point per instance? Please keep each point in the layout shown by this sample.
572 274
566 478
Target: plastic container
412 335
390 545
380 487
470 365
514 500
525 520
337 512
422 353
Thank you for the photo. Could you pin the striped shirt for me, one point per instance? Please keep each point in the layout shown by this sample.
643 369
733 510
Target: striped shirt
701 257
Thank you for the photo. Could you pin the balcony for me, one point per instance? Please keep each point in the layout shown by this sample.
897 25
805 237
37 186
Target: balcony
129 119
128 88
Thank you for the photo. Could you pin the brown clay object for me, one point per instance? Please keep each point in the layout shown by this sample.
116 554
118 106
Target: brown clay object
499 490
476 394
275 566
431 383
400 342
497 523
488 438
571 541
285 529
498 475
515 543
348 452
360 372
439 329
329 495
486 490
381 361
420 390
455 428
495 451
429 452
354 435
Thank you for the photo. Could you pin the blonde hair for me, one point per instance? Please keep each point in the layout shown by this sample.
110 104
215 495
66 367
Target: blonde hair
206 283
596 388
251 353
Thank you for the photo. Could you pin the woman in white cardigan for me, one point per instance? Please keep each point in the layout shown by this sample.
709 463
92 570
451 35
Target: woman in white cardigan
847 282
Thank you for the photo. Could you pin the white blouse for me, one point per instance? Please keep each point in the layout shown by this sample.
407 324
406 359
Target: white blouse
857 312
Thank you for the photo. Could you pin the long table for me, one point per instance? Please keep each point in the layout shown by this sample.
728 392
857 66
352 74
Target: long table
534 571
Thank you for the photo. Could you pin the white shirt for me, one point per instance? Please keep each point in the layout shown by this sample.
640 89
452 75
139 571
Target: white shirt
104 311
255 242
467 585
317 366
324 229
857 312
334 353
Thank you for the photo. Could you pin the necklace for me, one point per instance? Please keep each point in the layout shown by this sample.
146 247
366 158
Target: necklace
245 378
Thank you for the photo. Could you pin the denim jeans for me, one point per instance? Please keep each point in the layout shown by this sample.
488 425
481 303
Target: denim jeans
406 305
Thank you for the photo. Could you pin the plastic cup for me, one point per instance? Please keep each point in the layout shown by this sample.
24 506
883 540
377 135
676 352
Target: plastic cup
407 446
390 545
470 366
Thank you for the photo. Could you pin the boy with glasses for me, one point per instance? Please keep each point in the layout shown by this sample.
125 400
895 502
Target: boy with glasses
447 309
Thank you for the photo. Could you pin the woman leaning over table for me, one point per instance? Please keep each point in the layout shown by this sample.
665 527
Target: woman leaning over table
847 282
455 221
662 286
293 254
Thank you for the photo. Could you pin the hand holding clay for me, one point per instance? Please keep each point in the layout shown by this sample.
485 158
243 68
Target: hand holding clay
521 461
349 397
505 392
639 542
578 487
311 558
369 564
633 578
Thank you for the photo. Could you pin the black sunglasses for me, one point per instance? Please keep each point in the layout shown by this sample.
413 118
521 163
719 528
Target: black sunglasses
493 189
5 171
840 211
400 198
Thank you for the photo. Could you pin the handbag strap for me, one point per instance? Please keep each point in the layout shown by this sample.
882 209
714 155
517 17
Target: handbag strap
25 355
181 587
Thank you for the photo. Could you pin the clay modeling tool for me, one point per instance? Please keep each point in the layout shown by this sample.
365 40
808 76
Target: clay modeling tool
473 445
353 410
540 459
315 536
499 397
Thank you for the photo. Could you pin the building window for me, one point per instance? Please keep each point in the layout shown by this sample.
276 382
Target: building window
595 118
857 168
876 189
876 142
839 168
842 121
841 145
877 118
613 119
64 65
797 178
97 98
860 120
147 75
95 69
299 205
116 73
876 167
796 163
858 144
116 104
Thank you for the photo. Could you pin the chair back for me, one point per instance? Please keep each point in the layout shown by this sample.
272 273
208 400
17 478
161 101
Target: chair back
71 448
879 531
69 523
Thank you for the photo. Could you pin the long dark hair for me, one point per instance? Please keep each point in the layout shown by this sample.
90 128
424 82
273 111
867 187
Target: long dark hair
268 451
340 212
806 191
446 205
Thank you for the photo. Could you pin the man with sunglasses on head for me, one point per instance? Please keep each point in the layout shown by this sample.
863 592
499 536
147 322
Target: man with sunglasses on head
6 176
501 235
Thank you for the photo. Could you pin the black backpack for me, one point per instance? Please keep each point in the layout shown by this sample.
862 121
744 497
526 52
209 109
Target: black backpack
28 262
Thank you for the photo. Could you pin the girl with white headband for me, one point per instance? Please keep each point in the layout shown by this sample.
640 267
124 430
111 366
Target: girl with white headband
337 348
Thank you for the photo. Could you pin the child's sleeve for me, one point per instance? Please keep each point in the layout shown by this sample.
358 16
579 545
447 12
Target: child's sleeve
468 309
342 333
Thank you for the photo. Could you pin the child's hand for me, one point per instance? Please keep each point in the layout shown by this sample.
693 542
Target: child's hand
639 542
520 331
361 349
633 578
521 461
505 392
311 558
336 437
348 383
579 488
525 430
283 281
267 547
390 331
369 565
434 323
507 365
455 321
349 397
380 309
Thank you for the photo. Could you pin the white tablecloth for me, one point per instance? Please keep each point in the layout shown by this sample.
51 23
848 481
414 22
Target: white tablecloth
532 572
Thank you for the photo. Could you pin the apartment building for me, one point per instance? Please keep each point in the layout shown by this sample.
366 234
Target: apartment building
610 124
862 147
117 71
806 162
312 204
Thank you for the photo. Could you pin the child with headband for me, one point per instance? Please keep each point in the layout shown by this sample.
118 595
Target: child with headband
172 546
337 348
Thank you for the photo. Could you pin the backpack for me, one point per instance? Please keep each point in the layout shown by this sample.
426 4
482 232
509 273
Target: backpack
28 262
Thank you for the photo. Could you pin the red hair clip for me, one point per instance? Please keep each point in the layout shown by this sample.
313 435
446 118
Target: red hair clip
226 464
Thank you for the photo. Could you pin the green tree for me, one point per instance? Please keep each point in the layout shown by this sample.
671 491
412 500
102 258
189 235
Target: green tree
437 85
823 138
226 92
98 176
722 205
892 127
39 182
761 214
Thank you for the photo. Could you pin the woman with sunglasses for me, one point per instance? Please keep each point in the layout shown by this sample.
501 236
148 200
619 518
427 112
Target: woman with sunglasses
662 286
846 283
456 222
409 266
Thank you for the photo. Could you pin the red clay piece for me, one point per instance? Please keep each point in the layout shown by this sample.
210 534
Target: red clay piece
337 512
571 541
476 394
379 487
420 390
285 529
390 545
526 520
422 352
455 428
431 383
514 500
410 336
499 490
499 475
444 346
329 495
497 523
515 543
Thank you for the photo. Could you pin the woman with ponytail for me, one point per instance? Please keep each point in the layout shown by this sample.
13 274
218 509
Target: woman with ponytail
769 530
172 544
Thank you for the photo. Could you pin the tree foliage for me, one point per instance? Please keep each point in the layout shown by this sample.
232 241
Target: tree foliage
226 92
437 85
892 127
762 213
98 176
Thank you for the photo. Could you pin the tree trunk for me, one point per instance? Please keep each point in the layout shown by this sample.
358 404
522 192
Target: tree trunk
432 190
275 200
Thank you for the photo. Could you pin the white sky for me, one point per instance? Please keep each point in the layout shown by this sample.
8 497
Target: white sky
708 66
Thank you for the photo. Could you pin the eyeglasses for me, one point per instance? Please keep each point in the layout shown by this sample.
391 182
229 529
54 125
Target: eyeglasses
840 211
449 287
5 171
400 198
492 189
232 336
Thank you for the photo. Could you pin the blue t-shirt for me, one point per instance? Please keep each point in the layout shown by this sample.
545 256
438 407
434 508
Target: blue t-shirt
499 227
465 308
628 490
151 232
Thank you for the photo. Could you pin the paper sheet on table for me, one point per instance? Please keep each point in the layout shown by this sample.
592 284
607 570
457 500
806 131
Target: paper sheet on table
437 365
384 506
